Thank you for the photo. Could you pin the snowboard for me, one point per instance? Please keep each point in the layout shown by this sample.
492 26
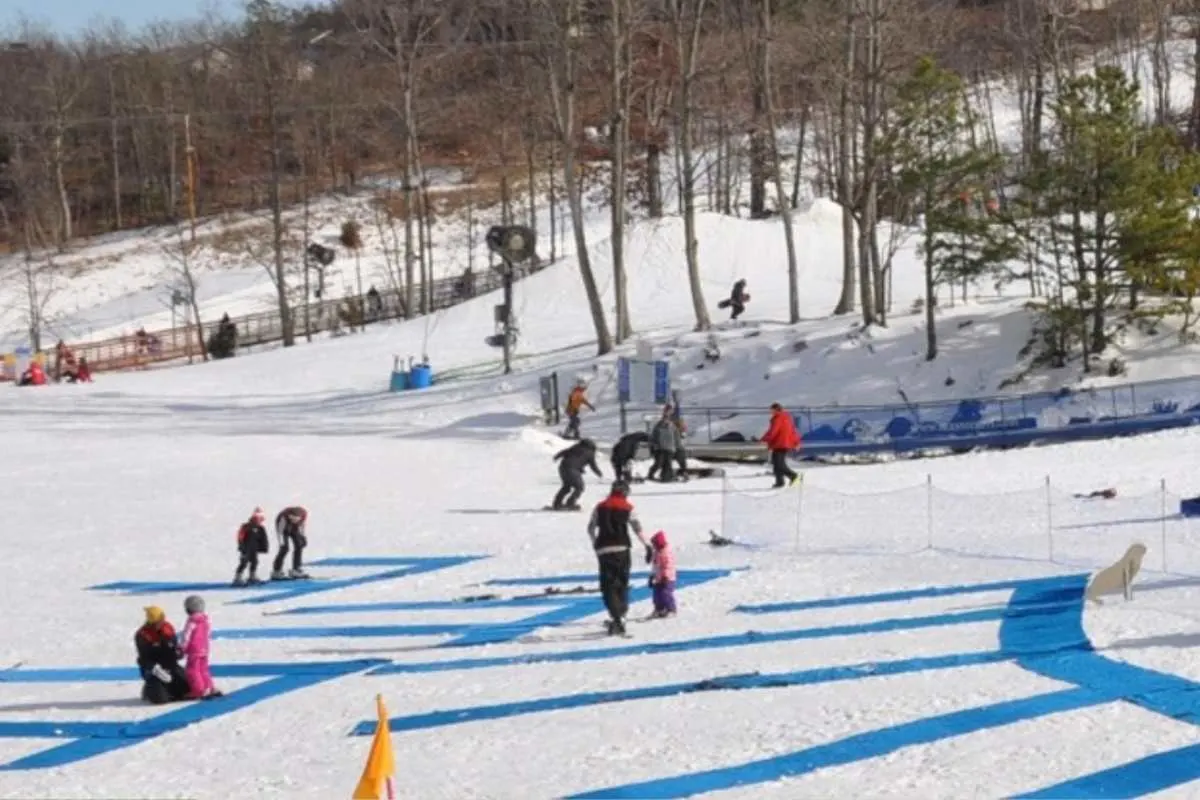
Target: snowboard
290 578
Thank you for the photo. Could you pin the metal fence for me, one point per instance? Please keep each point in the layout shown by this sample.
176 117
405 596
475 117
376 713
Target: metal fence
146 348
995 420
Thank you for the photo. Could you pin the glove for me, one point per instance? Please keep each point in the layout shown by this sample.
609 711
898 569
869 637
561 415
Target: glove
649 554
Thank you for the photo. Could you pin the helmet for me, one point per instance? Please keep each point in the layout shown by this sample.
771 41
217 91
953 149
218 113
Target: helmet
620 487
258 516
193 604
154 615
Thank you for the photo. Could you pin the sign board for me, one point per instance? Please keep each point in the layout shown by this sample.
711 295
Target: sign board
643 381
546 385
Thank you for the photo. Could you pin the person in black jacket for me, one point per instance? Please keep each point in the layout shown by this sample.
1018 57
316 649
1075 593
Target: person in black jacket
624 452
736 302
163 679
612 520
289 529
251 540
573 461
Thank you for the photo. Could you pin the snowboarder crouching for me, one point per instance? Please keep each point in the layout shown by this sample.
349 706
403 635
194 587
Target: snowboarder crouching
251 540
290 526
194 643
624 452
612 520
662 575
570 471
163 679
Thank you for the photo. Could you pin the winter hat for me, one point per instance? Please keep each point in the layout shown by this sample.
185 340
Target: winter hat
258 515
194 604
154 615
659 540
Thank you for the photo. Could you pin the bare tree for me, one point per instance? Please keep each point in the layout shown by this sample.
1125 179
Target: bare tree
687 23
180 252
400 32
620 24
271 52
559 44
763 70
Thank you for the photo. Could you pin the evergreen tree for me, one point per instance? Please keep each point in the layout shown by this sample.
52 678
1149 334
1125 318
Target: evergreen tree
1160 231
1078 205
938 170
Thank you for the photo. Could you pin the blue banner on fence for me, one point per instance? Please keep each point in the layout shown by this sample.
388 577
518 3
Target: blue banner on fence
1062 414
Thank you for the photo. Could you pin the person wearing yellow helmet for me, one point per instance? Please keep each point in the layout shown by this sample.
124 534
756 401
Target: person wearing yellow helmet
163 678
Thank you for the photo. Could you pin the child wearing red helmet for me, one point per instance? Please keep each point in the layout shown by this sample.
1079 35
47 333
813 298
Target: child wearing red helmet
251 540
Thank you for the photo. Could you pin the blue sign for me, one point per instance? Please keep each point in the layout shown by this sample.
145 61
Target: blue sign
643 381
662 382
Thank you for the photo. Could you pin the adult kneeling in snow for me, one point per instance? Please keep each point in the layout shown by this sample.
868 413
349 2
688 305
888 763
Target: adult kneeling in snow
164 680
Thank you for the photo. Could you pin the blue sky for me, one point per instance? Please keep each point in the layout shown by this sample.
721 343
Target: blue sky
69 17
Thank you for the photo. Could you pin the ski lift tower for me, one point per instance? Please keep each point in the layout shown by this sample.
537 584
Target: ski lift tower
515 244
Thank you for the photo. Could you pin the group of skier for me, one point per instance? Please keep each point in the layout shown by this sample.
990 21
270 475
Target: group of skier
613 522
291 533
159 649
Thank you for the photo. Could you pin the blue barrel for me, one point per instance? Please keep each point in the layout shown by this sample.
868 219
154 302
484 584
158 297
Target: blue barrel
399 381
421 377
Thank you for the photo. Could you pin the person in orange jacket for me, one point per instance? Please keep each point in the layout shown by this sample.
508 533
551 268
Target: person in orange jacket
781 438
576 400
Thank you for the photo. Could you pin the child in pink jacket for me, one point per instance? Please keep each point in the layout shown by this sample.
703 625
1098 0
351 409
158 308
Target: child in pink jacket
194 643
662 576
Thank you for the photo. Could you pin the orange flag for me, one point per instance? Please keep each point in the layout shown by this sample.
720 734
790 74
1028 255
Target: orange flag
376 781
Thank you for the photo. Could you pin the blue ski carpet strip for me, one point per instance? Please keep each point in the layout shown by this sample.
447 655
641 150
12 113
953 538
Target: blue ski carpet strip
1051 643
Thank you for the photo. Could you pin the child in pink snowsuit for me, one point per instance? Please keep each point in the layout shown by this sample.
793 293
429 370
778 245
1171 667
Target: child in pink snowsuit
662 576
194 643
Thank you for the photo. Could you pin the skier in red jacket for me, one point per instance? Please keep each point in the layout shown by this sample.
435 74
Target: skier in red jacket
781 438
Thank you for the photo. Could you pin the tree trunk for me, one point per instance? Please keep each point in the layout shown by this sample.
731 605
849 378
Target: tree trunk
618 145
654 193
66 229
872 279
688 46
553 200
845 130
931 343
115 150
285 311
776 162
760 157
563 86
805 111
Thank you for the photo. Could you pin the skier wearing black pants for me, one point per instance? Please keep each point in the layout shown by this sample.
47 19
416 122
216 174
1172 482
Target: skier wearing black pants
574 460
612 519
624 452
289 529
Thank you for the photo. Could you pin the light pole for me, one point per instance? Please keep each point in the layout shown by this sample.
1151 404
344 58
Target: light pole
515 244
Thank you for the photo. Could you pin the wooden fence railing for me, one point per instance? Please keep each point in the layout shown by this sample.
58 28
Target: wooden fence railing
146 348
